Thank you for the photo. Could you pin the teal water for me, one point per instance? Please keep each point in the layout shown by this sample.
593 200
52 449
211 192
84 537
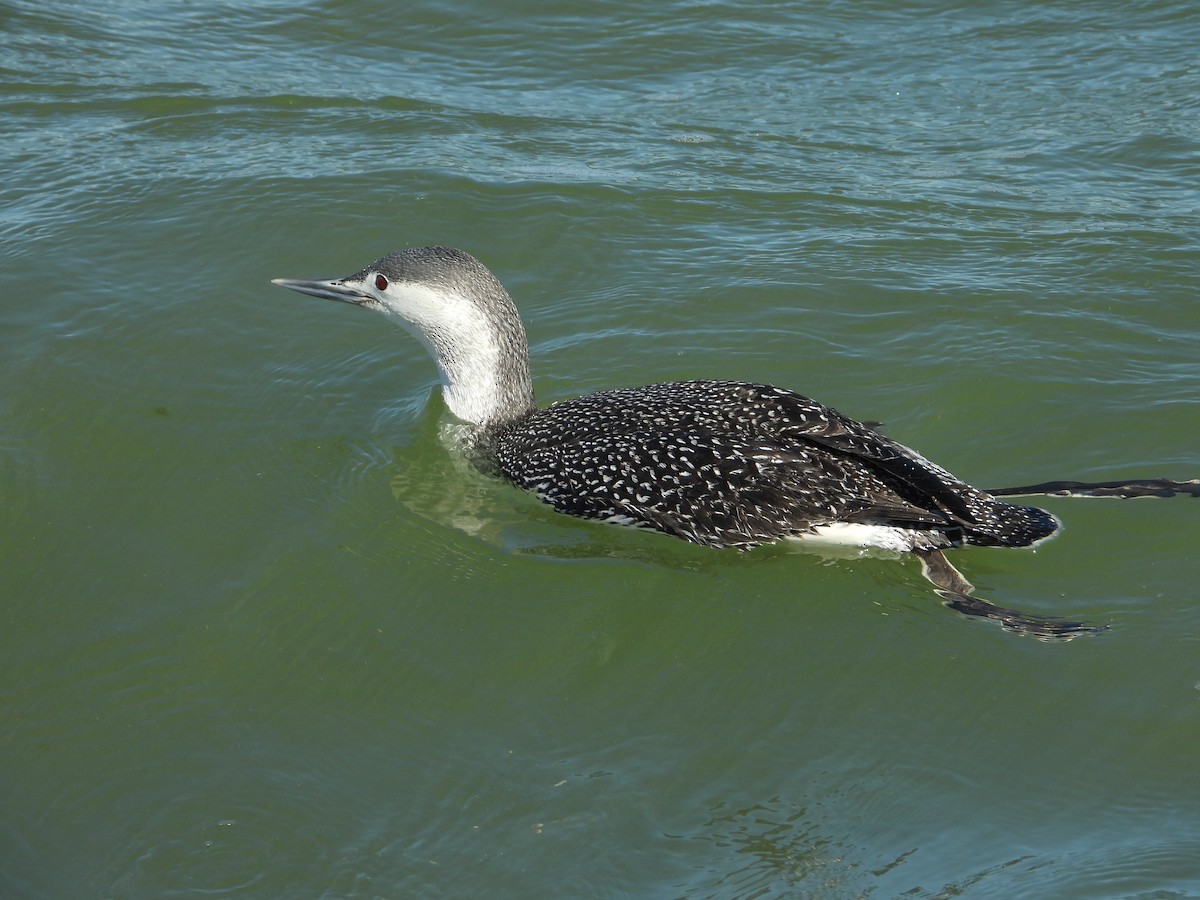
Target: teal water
262 636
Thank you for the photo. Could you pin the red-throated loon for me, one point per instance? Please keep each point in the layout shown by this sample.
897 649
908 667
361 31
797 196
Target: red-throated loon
719 463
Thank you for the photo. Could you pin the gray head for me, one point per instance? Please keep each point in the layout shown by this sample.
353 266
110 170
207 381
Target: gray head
461 312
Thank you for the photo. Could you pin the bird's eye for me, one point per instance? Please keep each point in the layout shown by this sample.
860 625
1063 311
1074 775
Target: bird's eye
381 283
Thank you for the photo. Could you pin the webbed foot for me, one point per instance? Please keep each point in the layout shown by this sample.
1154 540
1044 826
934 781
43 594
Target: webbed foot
1138 487
956 592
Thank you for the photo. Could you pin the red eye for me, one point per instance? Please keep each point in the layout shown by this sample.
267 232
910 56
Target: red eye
381 283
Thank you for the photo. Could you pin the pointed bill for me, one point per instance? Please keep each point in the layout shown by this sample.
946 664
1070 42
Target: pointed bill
336 289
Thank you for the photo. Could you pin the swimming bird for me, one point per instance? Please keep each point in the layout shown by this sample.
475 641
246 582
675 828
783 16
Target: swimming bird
717 463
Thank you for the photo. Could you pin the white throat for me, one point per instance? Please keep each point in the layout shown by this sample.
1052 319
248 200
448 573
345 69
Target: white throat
483 360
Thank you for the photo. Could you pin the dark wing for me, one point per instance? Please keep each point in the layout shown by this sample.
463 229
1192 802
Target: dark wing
762 412
802 418
717 490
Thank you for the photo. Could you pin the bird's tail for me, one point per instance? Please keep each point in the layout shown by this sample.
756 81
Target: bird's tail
1001 524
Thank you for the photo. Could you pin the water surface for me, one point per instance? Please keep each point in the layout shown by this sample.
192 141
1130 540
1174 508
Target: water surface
263 636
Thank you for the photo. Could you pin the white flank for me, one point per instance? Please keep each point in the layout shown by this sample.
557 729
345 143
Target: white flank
855 534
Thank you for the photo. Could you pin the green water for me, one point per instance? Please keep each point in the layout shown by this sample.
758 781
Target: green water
261 635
